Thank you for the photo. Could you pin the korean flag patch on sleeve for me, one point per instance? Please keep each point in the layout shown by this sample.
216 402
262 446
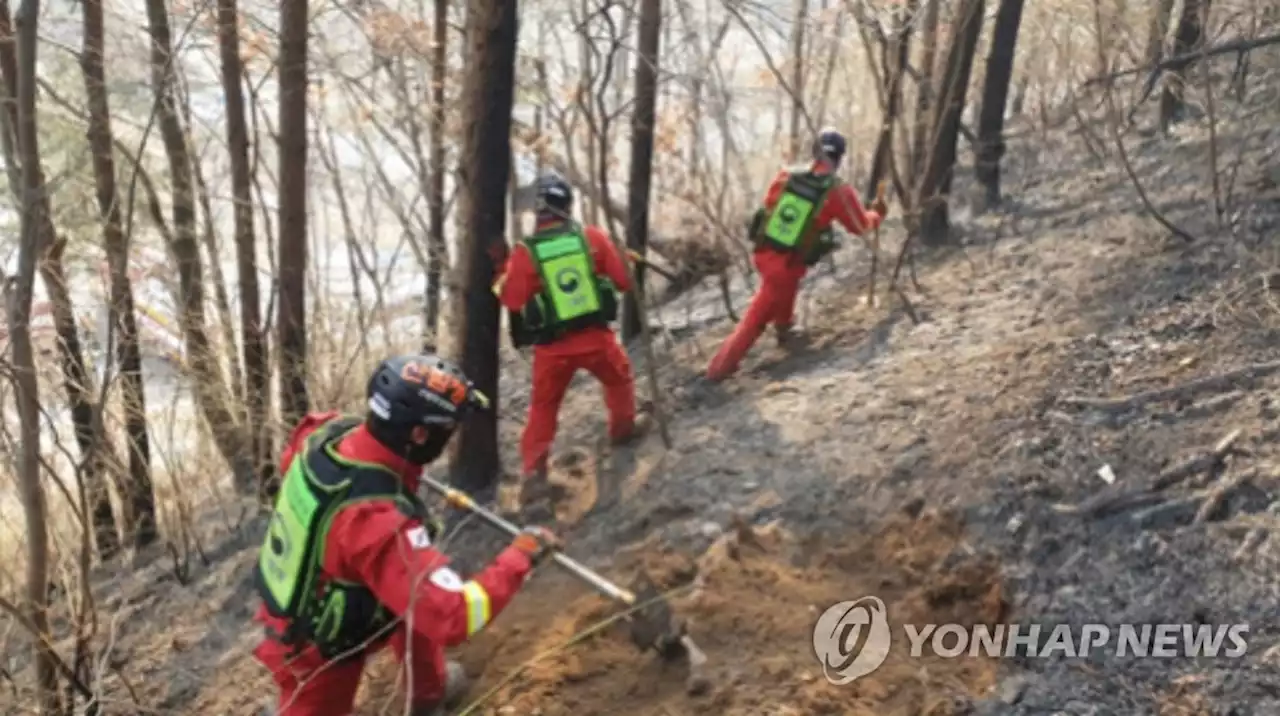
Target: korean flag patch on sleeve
418 538
447 579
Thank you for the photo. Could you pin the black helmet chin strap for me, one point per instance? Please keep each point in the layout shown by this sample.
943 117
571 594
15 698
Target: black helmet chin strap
426 453
549 211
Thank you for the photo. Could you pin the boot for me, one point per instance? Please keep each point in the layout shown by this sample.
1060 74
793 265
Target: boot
789 339
455 687
641 427
456 683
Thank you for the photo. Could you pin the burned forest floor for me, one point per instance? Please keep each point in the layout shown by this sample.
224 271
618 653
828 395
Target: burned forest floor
1074 421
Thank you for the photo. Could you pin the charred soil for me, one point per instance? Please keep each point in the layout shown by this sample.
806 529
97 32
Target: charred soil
751 601
947 458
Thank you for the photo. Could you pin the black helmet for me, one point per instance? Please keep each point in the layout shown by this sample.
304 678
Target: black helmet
419 391
554 194
829 145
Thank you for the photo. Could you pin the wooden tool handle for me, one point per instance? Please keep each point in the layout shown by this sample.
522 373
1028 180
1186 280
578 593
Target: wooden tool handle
638 258
463 501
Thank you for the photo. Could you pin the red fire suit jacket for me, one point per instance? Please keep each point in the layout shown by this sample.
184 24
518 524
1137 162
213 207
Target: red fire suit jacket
375 544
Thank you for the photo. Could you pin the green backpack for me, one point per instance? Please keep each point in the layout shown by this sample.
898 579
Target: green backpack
573 297
789 225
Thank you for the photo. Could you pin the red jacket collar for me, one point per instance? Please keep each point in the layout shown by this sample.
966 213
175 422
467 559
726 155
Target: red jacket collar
545 221
822 166
360 445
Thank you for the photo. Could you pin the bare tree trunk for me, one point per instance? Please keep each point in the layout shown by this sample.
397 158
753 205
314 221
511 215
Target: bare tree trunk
642 119
1158 30
208 384
292 315
696 85
1187 38
221 297
539 112
798 75
995 94
436 249
253 341
591 208
831 50
76 379
485 162
409 97
935 183
897 56
925 89
85 421
122 317
18 294
701 86
619 78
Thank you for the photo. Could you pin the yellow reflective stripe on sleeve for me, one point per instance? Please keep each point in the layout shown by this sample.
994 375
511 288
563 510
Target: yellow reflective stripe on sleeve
478 613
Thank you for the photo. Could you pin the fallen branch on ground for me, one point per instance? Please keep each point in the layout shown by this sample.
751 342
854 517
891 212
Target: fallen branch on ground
27 625
1252 540
1209 407
1212 461
1264 521
1222 381
1120 499
1110 503
1197 508
1211 508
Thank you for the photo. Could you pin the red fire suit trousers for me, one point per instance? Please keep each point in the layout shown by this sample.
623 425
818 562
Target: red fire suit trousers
310 686
595 350
774 303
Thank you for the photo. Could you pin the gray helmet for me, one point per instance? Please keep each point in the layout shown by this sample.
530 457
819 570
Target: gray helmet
829 145
554 194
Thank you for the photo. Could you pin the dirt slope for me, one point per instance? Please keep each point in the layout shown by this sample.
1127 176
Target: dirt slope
756 597
1071 292
944 466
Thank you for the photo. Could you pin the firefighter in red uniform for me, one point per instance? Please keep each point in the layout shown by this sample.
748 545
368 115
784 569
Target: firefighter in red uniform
792 232
561 286
348 563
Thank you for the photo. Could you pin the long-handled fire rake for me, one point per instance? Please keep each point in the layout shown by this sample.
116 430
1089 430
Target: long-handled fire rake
650 616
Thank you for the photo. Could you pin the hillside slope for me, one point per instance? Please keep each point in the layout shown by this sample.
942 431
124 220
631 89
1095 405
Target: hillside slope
942 466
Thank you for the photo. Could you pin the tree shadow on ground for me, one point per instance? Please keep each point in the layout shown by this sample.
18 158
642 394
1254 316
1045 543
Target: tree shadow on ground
867 345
